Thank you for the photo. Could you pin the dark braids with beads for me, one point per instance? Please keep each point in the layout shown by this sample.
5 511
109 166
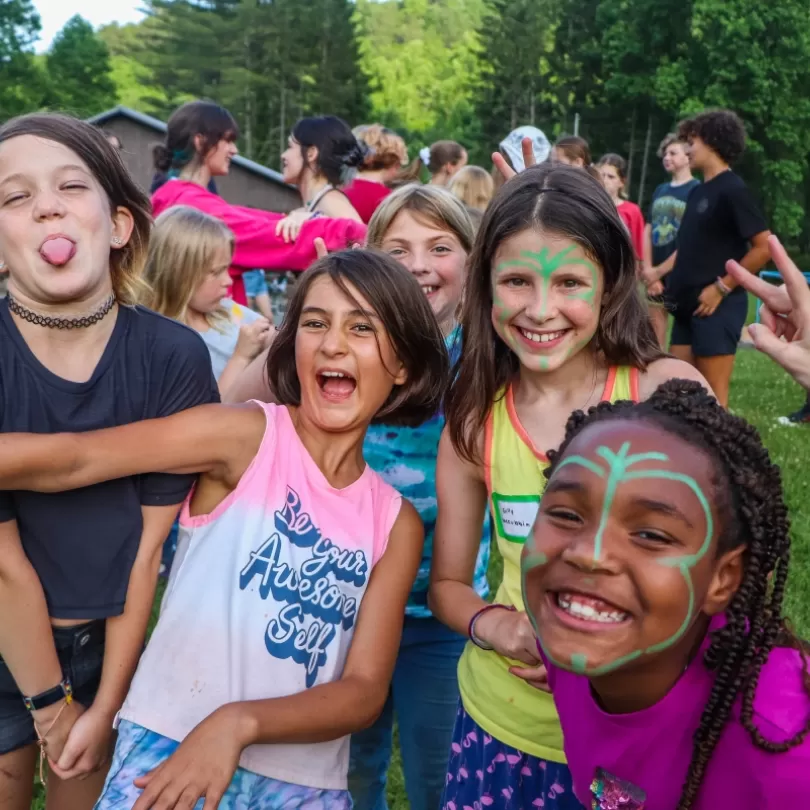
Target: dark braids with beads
750 505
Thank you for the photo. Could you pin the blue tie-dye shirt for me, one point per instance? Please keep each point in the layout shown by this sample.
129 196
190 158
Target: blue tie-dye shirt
406 458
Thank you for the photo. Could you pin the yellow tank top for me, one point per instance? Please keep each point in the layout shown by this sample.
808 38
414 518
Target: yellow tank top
505 706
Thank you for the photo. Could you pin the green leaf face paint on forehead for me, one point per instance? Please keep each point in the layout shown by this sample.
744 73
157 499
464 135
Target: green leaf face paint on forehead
615 468
544 264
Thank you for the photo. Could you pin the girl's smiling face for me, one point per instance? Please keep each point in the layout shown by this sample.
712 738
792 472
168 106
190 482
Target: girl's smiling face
546 294
622 560
218 159
344 358
435 257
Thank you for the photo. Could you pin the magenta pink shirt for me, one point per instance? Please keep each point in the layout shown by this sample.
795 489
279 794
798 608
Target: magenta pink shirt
256 243
650 750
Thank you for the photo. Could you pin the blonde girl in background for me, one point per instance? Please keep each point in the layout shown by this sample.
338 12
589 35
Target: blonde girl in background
386 156
475 187
187 270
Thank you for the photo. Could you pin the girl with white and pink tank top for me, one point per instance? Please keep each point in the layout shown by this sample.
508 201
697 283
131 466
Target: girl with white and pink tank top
280 624
299 555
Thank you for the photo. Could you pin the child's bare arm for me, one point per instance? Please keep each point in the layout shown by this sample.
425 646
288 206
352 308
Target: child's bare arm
203 439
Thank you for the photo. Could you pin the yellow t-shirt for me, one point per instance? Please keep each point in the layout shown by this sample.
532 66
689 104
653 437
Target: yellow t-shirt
504 705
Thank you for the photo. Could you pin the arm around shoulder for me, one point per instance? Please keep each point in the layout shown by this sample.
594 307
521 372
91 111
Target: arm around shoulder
205 439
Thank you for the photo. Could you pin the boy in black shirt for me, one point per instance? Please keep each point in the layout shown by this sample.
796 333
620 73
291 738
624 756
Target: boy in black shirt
721 222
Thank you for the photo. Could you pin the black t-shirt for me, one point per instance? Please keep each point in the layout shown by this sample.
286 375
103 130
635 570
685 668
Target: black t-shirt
720 220
82 543
666 212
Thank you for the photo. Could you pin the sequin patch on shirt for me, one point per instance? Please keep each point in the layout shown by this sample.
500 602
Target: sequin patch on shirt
611 793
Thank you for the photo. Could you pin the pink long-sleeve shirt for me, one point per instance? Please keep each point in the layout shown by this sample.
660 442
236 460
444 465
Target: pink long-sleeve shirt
256 243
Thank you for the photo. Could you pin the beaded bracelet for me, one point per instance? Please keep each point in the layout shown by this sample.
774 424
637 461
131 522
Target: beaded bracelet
471 629
722 286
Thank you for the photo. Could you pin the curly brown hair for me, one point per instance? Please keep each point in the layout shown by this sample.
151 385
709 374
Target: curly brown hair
752 512
721 130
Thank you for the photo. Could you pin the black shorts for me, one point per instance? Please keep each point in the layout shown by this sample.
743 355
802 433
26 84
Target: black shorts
81 655
717 335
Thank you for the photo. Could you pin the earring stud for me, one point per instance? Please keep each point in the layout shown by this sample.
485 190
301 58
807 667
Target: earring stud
117 240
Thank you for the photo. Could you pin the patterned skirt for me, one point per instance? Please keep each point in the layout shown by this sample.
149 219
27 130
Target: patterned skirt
485 774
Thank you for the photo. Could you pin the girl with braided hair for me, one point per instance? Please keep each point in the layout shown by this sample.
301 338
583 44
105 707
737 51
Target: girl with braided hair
654 578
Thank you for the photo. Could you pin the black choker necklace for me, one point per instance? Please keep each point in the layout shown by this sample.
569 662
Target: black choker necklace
61 323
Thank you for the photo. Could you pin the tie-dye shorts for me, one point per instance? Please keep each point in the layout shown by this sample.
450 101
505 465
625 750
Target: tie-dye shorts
485 774
139 751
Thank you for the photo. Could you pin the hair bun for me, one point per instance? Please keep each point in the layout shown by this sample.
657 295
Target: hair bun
161 157
356 155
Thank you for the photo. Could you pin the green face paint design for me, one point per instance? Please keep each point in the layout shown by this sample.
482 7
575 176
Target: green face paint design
617 471
543 265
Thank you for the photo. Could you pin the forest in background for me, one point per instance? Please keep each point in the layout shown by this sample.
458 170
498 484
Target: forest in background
621 71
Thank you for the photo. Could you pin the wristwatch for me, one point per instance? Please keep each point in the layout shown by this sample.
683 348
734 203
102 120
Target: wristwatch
64 691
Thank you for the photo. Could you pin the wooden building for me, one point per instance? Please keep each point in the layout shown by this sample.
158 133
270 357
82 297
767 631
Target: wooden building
248 183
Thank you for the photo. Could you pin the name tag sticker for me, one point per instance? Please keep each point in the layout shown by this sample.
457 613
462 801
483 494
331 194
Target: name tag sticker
515 515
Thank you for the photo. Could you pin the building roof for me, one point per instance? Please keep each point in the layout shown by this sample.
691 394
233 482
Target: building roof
160 127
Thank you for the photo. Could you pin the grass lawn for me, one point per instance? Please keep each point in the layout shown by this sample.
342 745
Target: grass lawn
761 392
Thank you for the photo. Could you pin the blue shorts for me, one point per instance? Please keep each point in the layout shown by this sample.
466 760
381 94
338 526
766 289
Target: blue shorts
139 751
255 283
715 336
81 655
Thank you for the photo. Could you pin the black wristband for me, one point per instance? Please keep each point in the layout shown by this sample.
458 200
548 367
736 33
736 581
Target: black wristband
64 691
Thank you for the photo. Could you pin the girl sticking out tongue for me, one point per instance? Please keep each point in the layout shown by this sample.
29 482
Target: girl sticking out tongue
78 569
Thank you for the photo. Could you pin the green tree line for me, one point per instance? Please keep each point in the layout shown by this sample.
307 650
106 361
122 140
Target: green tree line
619 72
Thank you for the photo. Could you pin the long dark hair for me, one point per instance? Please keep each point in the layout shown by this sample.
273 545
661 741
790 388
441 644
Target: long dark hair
556 199
752 512
338 148
396 297
210 121
107 166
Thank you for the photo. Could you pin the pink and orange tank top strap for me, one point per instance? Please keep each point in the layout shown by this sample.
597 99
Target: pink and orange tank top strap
502 704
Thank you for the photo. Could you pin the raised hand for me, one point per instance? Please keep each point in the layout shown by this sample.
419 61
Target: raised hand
784 331
528 159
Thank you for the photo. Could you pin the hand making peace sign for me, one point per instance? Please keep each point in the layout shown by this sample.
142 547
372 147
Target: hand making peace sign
784 331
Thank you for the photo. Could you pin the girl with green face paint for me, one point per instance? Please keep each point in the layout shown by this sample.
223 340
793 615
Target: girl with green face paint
654 578
551 322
